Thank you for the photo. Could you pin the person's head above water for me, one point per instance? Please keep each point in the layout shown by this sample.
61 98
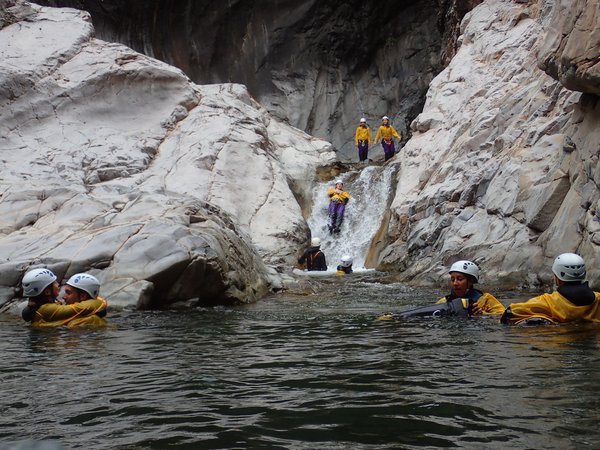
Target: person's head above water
346 261
80 287
40 282
463 275
385 120
569 268
315 242
363 121
339 184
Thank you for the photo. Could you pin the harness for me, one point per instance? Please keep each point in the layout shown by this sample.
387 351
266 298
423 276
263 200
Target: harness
310 258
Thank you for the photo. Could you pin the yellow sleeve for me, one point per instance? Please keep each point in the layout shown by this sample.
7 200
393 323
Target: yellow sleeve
330 192
369 136
441 300
490 304
54 314
377 136
395 133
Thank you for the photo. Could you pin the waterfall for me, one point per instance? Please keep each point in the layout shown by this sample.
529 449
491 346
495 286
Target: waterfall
370 190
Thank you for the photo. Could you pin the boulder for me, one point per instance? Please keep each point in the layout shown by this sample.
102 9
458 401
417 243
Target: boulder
117 164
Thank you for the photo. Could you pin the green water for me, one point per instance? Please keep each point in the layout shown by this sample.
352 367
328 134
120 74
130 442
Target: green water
302 371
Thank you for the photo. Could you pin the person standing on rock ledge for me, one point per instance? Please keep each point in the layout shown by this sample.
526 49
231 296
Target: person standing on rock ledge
313 256
362 137
387 132
573 299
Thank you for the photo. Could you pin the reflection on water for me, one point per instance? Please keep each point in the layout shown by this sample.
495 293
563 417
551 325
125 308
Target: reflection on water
296 371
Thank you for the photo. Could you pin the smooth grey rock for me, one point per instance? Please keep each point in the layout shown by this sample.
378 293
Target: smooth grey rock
117 164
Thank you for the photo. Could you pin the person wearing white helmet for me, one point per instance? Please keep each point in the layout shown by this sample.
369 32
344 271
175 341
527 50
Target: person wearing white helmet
345 266
464 300
573 299
338 199
313 257
80 287
40 287
387 133
362 138
463 276
43 310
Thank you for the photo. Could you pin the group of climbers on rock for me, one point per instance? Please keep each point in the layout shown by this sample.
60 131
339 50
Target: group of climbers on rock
82 304
573 299
386 132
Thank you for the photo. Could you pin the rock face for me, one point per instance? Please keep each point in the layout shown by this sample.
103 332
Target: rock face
117 164
319 65
502 166
569 52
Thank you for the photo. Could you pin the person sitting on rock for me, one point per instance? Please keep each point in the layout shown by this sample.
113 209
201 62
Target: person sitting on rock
313 256
337 206
573 299
463 276
387 132
345 266
362 138
44 310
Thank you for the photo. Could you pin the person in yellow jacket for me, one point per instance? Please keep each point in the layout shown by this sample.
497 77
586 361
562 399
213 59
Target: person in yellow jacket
573 299
463 276
338 198
44 310
463 301
386 133
362 138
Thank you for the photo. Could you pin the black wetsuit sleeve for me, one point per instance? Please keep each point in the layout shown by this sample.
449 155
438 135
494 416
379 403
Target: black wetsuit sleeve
302 259
506 316
321 262
101 312
28 313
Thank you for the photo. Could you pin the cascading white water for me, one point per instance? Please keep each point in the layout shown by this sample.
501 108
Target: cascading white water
369 191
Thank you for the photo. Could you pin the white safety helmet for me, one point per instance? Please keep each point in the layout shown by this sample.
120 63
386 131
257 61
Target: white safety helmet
36 280
385 118
85 282
363 120
315 242
338 182
466 267
346 261
569 267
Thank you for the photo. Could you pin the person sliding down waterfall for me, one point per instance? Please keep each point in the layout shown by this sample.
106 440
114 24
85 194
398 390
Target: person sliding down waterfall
337 206
387 132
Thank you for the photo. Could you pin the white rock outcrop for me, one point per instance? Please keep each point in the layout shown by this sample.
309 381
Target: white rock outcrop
502 166
116 164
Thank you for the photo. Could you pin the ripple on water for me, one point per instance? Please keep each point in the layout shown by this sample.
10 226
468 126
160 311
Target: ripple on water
302 372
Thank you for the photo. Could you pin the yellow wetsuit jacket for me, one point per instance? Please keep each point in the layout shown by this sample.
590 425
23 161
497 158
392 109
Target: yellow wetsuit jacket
342 197
362 134
86 313
554 308
487 303
386 134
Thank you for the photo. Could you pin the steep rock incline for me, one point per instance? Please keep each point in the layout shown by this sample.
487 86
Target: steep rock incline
502 166
116 163
319 65
571 50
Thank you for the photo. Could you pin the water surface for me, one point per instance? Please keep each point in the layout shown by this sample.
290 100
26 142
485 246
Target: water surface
302 371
